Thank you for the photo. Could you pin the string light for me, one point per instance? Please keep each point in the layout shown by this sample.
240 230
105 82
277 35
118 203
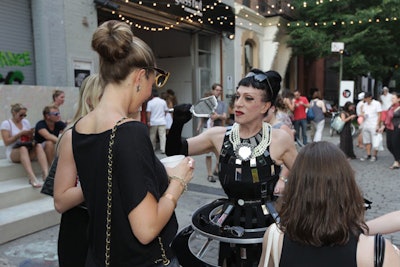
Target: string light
342 23
221 20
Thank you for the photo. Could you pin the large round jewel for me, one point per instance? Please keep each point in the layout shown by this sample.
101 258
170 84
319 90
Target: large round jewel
244 151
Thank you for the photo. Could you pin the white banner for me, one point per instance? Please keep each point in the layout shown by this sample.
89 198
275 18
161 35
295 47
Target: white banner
346 92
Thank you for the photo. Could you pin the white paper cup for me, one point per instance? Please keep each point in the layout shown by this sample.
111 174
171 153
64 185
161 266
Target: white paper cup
172 161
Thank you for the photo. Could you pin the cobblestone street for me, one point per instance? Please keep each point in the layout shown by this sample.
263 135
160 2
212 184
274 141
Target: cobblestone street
378 183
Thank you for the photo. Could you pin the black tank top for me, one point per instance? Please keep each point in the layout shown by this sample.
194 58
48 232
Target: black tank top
299 255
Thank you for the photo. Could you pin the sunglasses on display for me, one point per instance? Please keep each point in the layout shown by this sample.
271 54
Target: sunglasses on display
55 113
161 77
260 77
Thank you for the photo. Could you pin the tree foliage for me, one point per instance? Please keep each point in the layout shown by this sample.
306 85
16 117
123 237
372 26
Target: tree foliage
370 30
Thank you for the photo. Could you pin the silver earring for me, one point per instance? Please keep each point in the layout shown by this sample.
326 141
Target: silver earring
138 88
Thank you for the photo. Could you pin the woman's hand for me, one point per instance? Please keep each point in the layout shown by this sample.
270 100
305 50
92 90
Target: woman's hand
183 170
279 188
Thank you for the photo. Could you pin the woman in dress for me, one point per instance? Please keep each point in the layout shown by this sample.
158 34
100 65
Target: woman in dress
131 207
322 215
392 125
250 156
346 139
16 131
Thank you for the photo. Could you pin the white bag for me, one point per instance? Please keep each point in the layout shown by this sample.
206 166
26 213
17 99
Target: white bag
377 142
338 124
273 240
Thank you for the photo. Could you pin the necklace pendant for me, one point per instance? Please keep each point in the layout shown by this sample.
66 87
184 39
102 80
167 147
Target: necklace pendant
244 151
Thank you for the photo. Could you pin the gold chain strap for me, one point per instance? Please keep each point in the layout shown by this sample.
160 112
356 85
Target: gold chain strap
109 193
165 260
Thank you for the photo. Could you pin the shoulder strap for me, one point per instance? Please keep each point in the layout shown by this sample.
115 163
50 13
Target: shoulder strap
273 239
379 254
109 192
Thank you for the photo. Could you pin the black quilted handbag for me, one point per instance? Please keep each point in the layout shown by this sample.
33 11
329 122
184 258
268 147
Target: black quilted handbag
48 185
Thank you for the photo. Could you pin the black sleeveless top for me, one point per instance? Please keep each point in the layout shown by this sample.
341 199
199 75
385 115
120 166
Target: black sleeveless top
299 255
248 184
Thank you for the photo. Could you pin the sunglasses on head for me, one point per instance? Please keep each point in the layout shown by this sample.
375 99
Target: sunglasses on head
260 77
54 113
161 77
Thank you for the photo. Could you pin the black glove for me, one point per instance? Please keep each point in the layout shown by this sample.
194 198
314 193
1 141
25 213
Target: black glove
175 144
182 113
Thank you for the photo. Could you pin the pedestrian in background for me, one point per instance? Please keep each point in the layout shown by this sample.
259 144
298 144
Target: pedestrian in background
319 109
217 118
156 111
171 100
322 215
137 190
346 139
386 98
299 116
371 111
17 135
392 126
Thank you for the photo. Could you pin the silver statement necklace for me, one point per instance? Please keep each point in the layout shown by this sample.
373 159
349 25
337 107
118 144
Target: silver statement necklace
246 151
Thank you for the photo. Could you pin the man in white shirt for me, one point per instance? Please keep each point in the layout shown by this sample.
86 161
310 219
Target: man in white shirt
372 121
386 98
156 111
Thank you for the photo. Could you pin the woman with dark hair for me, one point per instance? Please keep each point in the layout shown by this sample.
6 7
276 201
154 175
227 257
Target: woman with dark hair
322 215
250 157
346 139
130 196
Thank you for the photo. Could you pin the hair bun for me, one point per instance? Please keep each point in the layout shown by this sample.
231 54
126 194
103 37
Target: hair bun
113 40
275 80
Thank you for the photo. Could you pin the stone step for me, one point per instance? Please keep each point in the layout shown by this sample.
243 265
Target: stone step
23 209
27 218
9 170
17 191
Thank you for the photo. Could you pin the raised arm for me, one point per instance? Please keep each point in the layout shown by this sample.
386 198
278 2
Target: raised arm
385 224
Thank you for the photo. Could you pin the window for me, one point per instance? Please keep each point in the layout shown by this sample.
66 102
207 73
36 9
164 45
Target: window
248 56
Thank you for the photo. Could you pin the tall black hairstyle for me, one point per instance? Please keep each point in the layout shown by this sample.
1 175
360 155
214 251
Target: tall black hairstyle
269 81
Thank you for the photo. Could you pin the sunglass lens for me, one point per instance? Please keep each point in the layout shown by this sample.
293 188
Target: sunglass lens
161 79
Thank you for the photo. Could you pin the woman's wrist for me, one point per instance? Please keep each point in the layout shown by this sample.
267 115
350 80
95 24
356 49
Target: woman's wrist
283 179
181 181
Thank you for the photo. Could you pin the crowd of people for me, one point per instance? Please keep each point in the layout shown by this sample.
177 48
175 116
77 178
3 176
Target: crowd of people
122 213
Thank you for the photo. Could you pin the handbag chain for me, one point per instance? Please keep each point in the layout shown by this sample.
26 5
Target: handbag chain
109 193
165 260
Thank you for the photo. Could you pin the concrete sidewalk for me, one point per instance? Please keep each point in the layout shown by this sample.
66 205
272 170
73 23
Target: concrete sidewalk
377 181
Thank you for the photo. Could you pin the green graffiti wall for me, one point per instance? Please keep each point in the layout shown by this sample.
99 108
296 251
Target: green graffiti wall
11 59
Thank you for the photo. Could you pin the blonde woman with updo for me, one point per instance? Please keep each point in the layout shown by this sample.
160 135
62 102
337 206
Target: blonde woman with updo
142 221
17 135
